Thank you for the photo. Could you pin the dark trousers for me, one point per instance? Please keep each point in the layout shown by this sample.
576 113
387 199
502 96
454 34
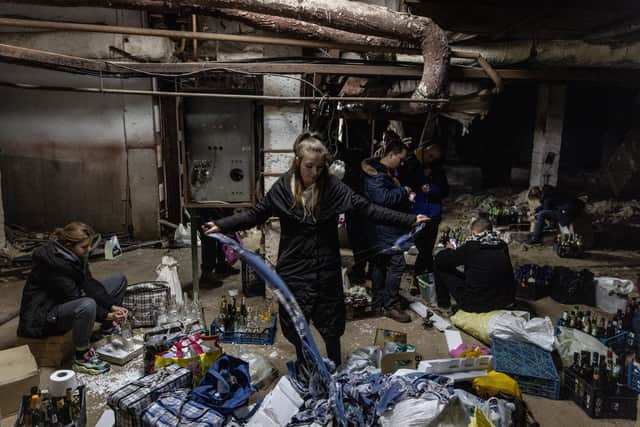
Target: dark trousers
211 252
357 232
115 286
449 283
385 278
425 241
541 218
79 314
332 343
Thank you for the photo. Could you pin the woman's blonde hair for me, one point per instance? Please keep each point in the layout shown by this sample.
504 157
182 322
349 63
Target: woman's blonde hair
534 193
74 232
308 142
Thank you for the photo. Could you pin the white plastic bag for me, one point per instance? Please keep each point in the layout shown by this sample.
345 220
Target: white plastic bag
182 235
612 293
411 412
537 331
112 248
337 169
167 271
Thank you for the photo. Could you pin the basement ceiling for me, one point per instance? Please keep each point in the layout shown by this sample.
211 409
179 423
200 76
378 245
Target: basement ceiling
598 21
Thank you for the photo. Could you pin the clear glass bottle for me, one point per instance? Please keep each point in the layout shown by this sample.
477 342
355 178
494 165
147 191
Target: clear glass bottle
173 312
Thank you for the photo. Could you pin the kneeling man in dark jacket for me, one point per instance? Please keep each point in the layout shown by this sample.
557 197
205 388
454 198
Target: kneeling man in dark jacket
487 282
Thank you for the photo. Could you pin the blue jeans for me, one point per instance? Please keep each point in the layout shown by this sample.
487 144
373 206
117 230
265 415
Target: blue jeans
386 276
541 218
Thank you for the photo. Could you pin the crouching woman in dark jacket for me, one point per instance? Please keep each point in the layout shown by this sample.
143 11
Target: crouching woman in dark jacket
61 295
308 200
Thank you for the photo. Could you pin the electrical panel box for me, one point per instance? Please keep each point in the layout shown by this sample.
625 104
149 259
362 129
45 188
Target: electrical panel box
220 152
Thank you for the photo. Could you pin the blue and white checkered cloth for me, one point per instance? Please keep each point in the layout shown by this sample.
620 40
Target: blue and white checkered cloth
176 409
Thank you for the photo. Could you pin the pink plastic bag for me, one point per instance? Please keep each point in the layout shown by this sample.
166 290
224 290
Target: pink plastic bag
229 254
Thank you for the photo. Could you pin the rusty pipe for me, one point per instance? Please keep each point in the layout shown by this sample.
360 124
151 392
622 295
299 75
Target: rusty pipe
112 29
225 95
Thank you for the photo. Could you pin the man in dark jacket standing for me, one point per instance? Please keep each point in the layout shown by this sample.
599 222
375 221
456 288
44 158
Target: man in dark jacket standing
487 282
423 173
382 187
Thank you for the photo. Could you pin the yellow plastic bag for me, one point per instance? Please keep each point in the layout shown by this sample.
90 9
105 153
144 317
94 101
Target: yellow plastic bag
475 324
198 364
494 383
479 419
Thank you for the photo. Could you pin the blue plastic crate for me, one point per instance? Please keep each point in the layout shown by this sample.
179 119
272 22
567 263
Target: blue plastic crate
531 366
615 342
264 337
633 377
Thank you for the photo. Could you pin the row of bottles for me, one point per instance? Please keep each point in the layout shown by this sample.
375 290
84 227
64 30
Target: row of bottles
505 215
187 312
234 317
455 236
45 410
599 371
600 327
571 239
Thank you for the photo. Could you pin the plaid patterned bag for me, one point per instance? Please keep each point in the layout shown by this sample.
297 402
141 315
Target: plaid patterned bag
175 408
129 402
144 300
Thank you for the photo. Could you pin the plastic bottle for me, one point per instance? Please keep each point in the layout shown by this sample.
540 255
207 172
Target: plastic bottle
494 412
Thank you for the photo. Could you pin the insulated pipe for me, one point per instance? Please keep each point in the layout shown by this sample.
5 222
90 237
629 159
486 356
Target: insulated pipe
112 29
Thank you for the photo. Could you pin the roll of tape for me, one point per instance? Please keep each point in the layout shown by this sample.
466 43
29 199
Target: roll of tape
62 380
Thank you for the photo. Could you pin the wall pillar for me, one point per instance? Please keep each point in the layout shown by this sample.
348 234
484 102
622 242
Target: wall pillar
547 136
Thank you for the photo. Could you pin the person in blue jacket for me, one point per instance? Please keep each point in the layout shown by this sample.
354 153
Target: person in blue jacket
382 187
423 173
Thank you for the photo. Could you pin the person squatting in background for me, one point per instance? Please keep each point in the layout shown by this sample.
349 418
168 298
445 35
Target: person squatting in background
61 295
553 208
308 200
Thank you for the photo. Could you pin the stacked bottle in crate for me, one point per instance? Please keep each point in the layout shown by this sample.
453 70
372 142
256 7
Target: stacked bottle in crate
243 323
598 384
596 326
605 385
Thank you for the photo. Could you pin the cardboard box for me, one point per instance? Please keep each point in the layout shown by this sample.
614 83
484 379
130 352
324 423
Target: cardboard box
18 373
393 361
50 352
386 335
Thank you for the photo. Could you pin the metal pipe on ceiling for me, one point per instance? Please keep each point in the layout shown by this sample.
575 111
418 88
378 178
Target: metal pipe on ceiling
112 29
224 95
175 34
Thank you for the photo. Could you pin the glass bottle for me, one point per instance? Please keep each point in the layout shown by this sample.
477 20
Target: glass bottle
173 315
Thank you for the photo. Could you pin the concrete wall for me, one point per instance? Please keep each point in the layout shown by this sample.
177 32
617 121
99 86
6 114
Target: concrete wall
65 156
3 236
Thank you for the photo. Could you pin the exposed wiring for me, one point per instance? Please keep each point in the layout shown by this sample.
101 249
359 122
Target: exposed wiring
225 69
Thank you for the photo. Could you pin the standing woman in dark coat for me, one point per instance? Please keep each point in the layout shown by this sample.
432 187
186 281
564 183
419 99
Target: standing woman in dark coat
308 200
61 295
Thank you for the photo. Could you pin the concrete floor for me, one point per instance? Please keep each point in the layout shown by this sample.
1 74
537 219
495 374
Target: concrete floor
140 266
